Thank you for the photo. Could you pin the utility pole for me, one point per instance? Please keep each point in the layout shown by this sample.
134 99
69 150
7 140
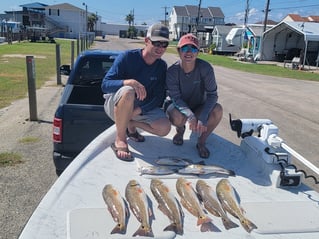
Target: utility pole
266 14
198 15
165 14
246 13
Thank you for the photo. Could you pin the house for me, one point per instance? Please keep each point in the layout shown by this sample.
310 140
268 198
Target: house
288 39
66 20
298 18
188 18
219 34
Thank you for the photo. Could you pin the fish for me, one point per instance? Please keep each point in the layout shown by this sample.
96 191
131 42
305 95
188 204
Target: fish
211 203
156 170
191 203
175 161
117 207
226 196
138 203
205 169
168 204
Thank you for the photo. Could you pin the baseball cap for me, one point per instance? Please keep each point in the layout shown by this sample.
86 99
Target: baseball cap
158 32
188 39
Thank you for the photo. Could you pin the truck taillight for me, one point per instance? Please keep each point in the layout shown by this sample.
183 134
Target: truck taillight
57 130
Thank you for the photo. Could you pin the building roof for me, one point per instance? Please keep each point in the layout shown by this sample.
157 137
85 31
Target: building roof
310 30
64 6
35 5
298 18
222 29
216 12
192 11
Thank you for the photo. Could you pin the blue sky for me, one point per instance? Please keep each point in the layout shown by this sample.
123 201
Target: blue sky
150 11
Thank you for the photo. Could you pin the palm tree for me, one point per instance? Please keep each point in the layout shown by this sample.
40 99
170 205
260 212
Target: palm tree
92 19
130 19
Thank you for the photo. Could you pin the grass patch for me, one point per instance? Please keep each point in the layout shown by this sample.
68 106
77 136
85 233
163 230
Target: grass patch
13 74
28 140
263 69
257 68
10 159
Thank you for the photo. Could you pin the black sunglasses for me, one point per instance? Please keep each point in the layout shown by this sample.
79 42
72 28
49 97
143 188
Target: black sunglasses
163 44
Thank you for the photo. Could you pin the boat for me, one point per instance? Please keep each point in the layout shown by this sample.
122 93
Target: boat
269 188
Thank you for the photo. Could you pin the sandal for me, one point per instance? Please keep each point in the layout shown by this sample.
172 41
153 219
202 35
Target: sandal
135 136
123 149
178 138
202 151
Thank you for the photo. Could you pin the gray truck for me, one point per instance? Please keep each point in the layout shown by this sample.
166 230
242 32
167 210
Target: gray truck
80 115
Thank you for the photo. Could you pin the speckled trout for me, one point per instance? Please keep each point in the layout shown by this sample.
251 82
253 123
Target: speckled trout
190 201
138 203
211 203
116 206
226 195
168 204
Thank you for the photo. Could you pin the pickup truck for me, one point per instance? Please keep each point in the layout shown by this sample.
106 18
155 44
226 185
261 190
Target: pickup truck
80 115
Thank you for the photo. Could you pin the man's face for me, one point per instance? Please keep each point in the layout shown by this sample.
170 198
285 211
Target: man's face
157 48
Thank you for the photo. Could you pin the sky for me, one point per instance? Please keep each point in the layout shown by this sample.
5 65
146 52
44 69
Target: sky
150 11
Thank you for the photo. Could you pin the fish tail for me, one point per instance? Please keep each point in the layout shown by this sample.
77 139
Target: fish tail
177 228
144 231
203 219
207 227
229 224
119 229
247 224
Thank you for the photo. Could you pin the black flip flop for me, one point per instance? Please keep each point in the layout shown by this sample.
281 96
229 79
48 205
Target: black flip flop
123 149
135 136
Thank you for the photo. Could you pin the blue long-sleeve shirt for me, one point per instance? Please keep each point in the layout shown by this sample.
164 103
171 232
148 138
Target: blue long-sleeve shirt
131 65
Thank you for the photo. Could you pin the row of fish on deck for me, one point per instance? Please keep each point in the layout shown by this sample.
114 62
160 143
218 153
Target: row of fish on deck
199 201
174 165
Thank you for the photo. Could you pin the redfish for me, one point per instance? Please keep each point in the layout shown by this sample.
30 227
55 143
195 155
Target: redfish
226 195
116 206
138 203
211 203
168 204
190 201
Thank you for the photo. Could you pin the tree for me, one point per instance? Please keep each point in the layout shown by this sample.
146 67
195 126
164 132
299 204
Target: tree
131 32
92 20
130 19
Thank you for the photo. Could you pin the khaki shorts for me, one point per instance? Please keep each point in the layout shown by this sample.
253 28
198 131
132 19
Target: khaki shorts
111 101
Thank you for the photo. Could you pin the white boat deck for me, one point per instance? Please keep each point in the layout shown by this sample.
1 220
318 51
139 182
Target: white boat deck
74 207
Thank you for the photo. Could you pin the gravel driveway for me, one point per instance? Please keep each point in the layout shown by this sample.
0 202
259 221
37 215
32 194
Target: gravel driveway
22 186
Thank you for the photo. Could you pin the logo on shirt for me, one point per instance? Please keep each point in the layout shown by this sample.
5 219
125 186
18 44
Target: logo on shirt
152 78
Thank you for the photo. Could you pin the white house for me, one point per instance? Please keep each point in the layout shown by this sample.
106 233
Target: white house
186 19
66 20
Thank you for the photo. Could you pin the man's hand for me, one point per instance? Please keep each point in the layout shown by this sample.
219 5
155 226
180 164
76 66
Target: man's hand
138 87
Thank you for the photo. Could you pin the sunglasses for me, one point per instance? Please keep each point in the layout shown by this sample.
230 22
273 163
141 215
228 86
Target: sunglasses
163 44
188 48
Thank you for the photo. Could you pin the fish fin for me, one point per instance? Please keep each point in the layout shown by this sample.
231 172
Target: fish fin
229 224
207 227
119 229
247 224
144 231
177 228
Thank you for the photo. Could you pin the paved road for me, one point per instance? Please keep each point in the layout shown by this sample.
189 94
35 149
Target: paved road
292 105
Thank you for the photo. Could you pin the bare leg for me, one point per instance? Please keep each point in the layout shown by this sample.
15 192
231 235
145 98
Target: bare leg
215 117
160 127
122 115
179 121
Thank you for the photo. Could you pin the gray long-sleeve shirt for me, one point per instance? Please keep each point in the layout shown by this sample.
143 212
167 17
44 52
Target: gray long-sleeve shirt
191 90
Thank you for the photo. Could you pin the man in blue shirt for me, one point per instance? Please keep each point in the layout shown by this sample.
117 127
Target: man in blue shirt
134 91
